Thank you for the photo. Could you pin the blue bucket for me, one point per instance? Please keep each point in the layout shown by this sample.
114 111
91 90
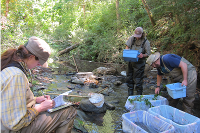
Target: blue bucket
130 55
175 90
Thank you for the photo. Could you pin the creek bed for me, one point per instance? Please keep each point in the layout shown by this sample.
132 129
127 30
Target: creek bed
111 120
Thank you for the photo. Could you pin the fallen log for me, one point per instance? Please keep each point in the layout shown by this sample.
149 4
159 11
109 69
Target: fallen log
68 49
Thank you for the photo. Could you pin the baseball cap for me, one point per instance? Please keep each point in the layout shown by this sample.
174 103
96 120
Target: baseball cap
40 49
152 58
138 32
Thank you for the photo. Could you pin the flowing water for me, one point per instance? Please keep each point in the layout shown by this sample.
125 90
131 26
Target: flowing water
111 120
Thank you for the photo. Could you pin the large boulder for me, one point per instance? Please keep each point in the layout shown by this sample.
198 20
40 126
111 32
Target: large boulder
87 106
105 71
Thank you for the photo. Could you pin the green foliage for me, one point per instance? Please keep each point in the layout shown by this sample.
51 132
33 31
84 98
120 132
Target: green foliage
145 100
139 98
132 14
101 36
165 43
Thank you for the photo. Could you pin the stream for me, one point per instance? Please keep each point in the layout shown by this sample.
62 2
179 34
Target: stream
111 120
108 122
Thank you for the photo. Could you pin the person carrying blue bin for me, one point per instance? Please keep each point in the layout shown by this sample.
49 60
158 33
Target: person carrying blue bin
180 70
135 70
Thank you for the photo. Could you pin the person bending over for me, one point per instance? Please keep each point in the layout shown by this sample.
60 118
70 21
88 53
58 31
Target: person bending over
181 71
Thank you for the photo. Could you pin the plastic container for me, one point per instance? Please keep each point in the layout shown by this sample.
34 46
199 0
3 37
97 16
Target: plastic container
175 90
182 121
140 102
130 55
143 122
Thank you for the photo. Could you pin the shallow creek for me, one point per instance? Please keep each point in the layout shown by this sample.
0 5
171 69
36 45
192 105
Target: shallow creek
111 120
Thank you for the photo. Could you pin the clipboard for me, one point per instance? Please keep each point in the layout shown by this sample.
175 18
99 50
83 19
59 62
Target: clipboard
67 104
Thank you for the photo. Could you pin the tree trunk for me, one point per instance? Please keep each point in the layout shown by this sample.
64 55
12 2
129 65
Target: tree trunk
7 8
68 49
149 13
118 15
84 10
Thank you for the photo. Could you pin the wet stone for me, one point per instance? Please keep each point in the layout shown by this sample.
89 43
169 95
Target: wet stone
115 101
87 106
93 85
117 83
152 82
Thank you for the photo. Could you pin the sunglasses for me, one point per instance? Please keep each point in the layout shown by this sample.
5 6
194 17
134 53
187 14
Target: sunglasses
36 58
154 62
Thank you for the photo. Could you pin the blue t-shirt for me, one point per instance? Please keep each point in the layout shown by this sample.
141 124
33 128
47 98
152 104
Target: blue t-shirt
168 62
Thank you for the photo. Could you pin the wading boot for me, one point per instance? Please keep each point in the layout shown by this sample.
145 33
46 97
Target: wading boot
130 91
139 92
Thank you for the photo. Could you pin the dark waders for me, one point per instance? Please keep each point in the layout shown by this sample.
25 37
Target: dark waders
135 72
135 75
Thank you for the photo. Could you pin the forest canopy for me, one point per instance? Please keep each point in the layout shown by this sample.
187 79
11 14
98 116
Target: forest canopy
102 27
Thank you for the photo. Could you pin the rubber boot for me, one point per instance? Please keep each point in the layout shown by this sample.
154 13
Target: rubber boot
130 91
139 92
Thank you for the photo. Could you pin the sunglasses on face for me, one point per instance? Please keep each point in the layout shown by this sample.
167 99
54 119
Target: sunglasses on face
36 58
154 62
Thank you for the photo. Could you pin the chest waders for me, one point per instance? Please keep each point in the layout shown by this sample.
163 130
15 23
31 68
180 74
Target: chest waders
177 76
135 73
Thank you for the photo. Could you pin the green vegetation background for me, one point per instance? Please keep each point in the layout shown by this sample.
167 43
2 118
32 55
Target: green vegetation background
101 28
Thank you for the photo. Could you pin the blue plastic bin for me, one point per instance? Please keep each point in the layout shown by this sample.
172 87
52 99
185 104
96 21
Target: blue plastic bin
175 90
143 122
141 105
182 121
130 55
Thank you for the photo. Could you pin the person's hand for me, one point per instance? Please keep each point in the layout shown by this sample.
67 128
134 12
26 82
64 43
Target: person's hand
42 98
184 83
45 105
140 55
157 90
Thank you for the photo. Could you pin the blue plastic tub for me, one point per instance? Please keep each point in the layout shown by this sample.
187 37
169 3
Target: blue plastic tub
139 102
182 121
130 55
175 90
143 122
